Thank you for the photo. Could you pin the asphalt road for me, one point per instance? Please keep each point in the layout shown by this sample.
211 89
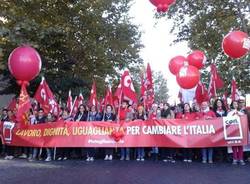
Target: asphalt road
128 172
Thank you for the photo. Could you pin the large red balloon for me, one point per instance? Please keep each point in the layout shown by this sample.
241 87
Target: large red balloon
236 44
197 58
24 63
188 77
162 5
176 63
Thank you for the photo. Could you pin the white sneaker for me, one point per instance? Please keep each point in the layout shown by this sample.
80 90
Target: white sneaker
142 159
23 156
65 158
60 158
106 157
6 157
88 159
172 161
48 159
185 160
189 161
91 159
110 157
234 162
204 161
242 162
11 157
138 159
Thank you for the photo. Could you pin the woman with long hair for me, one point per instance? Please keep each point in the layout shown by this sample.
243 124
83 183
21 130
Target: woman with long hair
237 150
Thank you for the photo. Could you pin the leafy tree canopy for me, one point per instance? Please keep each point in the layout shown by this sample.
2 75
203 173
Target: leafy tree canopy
78 41
203 24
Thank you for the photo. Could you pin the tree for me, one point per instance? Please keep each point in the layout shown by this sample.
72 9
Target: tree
160 87
204 23
79 41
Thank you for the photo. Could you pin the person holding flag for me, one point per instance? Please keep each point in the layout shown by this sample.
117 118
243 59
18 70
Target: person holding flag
45 97
126 94
125 115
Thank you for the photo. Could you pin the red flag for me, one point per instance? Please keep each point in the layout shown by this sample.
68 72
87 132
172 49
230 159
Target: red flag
80 99
127 86
235 95
24 106
117 95
102 105
108 97
212 88
150 88
75 106
149 78
224 98
219 83
93 99
46 98
215 82
201 93
70 102
12 104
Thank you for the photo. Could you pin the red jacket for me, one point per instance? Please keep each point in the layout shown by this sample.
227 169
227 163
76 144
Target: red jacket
123 114
152 115
207 115
178 115
190 116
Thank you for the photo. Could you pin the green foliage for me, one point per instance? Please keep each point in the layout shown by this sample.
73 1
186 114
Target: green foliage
160 87
204 24
78 41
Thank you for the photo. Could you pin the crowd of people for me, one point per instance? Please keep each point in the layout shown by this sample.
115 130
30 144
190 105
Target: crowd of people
206 110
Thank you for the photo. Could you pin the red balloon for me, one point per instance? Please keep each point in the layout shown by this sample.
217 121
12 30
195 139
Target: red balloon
162 8
24 63
236 44
176 63
197 58
162 5
188 77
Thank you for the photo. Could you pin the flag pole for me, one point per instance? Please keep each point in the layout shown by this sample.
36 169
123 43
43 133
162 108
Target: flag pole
73 106
119 107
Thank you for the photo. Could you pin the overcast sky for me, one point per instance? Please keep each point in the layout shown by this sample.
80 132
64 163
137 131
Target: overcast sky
156 38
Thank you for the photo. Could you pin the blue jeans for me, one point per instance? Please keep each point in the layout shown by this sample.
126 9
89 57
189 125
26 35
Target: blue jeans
140 152
125 152
155 150
207 153
38 152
